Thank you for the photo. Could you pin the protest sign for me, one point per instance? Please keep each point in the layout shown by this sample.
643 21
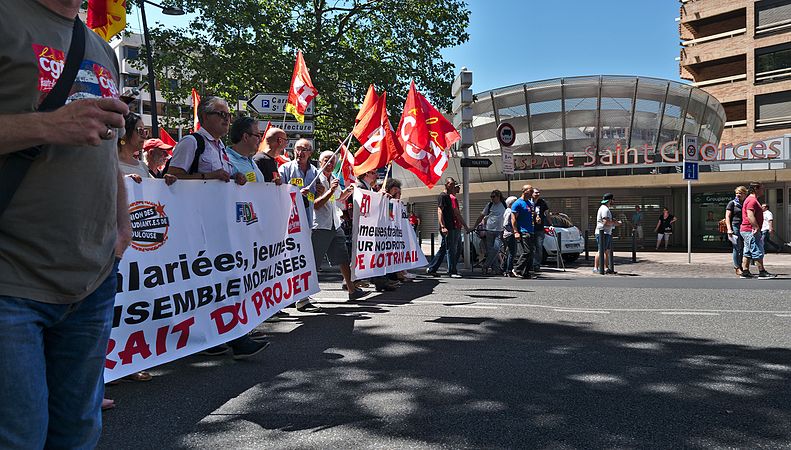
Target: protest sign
383 241
208 263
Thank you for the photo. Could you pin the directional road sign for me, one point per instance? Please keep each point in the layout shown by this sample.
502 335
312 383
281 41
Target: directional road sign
690 170
476 162
290 127
272 104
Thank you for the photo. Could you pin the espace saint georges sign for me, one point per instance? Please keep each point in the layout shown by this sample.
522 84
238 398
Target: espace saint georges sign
769 150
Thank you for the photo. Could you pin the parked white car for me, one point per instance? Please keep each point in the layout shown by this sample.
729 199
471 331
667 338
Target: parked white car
570 238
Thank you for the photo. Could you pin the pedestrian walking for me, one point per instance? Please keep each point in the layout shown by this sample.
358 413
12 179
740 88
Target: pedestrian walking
768 229
604 227
664 228
450 225
542 220
637 225
492 217
523 223
508 238
750 229
733 221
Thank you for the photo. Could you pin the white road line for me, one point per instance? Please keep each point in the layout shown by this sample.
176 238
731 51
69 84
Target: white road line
473 307
583 311
782 315
689 313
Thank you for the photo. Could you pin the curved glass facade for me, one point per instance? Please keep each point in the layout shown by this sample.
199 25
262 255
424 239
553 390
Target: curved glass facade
569 116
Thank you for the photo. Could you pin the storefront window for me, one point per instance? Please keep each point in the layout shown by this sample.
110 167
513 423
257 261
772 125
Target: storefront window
708 209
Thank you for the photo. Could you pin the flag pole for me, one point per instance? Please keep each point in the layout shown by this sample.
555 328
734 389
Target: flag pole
283 125
325 164
387 174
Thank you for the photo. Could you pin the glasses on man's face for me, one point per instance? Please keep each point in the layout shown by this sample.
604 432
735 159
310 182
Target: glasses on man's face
258 135
142 132
304 149
222 114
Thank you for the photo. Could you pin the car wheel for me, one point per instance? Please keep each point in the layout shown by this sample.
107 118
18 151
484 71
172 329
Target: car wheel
570 257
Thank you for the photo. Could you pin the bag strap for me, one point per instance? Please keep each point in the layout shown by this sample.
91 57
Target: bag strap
199 149
18 163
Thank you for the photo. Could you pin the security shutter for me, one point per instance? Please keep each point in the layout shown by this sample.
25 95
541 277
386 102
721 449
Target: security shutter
769 13
773 108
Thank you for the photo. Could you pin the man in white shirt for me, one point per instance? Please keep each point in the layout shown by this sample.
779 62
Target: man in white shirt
768 228
604 226
327 236
213 162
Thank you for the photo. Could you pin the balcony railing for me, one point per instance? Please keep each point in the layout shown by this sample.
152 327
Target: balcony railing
773 122
775 26
721 80
773 74
714 37
736 123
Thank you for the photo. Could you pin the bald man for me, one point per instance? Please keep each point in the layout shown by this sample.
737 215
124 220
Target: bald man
275 141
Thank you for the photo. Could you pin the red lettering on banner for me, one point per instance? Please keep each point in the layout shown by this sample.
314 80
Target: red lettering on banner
360 262
109 363
258 301
135 345
162 340
183 328
274 295
223 326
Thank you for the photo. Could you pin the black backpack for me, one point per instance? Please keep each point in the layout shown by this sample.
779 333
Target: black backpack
198 152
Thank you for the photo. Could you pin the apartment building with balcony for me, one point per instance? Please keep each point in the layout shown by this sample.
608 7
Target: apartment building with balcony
740 52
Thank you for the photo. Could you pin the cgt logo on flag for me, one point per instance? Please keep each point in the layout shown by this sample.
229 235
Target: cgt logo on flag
365 205
293 218
245 213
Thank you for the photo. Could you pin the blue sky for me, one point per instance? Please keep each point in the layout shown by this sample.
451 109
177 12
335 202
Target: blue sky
514 41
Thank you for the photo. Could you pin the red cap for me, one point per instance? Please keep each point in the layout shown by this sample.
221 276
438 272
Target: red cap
157 143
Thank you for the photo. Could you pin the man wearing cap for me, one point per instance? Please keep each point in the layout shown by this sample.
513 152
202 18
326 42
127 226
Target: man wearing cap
604 226
155 154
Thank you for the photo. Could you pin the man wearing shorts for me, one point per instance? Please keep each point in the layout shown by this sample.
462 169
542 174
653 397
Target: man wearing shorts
752 220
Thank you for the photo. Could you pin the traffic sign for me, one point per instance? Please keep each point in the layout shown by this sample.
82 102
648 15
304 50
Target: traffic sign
291 142
272 104
508 161
506 135
691 148
476 162
690 170
290 127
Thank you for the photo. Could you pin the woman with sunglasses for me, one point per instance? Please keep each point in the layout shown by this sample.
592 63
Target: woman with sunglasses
130 149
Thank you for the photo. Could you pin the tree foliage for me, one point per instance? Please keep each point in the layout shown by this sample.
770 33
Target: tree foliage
236 48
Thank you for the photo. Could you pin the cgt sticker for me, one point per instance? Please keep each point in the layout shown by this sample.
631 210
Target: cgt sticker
149 225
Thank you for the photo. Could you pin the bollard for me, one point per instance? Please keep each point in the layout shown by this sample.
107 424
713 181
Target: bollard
559 240
587 236
432 245
634 247
601 253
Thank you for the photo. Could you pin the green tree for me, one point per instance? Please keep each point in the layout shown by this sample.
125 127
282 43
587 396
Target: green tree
236 48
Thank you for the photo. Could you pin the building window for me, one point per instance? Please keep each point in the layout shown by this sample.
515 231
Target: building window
146 107
772 63
772 16
130 80
131 52
773 110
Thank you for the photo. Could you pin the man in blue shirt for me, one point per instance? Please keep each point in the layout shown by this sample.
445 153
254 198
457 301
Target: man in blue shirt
245 137
522 221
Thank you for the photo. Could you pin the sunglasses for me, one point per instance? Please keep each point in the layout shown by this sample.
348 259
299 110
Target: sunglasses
224 115
304 149
258 135
142 132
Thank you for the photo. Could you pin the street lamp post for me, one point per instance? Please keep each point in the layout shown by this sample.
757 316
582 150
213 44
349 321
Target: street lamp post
152 90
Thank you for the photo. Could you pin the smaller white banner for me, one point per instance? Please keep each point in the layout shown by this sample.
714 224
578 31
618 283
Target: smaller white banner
383 240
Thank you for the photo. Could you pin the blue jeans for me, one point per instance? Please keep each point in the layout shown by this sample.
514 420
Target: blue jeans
510 244
767 241
738 247
51 369
753 246
448 248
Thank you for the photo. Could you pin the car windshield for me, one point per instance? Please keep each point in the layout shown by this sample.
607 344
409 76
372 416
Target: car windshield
561 220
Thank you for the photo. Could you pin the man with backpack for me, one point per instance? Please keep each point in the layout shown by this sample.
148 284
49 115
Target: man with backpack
202 155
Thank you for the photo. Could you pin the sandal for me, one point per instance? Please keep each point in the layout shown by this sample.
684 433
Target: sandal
139 376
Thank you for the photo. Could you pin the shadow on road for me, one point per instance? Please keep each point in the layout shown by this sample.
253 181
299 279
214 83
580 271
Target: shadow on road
485 382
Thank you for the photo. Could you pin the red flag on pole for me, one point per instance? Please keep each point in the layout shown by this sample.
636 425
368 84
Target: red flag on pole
347 166
301 92
106 17
165 137
424 134
195 103
379 143
370 101
262 143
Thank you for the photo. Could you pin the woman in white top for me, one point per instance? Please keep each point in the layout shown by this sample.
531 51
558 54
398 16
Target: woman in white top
493 212
130 146
508 237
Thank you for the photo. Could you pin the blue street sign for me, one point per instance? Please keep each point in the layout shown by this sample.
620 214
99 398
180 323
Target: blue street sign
690 170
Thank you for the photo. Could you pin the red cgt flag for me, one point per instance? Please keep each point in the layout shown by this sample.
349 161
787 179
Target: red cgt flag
195 103
424 134
302 91
379 143
165 137
370 101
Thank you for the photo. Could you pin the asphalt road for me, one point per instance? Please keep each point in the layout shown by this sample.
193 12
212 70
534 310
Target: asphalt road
568 361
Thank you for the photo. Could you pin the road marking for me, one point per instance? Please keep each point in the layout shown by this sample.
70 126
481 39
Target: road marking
689 313
473 306
583 311
782 315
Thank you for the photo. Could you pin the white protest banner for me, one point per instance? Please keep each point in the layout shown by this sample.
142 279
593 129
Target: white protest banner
384 242
209 261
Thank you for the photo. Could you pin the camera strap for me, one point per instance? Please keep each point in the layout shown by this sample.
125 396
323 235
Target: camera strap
17 164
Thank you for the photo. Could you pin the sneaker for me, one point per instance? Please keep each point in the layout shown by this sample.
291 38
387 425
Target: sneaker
595 270
746 274
249 348
362 284
432 273
216 350
764 275
514 274
357 294
309 308
610 272
455 275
